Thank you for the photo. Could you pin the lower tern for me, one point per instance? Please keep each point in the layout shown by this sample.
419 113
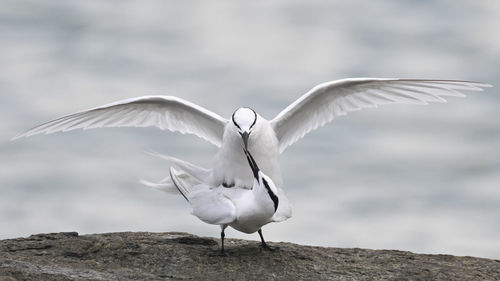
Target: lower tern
190 175
245 210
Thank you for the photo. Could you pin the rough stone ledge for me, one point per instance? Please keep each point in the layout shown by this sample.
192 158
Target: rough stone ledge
182 256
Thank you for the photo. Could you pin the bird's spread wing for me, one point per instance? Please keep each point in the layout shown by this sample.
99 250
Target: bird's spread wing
327 100
164 112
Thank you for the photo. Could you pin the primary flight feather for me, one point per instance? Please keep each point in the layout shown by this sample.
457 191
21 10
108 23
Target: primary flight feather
331 99
164 112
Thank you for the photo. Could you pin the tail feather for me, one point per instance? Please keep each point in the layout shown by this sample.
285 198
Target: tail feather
200 174
165 185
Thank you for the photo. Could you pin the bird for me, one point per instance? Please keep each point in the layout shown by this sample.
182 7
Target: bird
266 139
193 175
245 210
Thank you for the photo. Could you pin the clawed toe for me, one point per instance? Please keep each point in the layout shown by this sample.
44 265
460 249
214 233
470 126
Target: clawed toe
269 248
223 254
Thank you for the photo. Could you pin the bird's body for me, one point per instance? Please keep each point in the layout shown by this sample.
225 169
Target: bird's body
244 209
196 179
230 167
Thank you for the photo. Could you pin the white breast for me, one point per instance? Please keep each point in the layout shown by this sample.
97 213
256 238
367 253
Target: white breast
230 164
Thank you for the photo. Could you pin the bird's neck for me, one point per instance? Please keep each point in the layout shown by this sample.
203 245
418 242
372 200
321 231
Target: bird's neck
231 165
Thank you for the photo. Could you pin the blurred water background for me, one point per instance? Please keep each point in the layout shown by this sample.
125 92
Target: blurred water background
418 178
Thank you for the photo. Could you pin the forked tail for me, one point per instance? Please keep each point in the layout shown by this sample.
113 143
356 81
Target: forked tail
200 174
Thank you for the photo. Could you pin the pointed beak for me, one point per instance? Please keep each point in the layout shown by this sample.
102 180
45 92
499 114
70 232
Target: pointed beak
245 136
253 164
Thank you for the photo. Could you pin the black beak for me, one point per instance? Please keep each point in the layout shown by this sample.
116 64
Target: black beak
245 136
252 163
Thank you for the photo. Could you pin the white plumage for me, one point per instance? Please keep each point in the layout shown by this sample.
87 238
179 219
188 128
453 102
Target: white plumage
264 139
192 177
245 210
331 99
164 112
268 139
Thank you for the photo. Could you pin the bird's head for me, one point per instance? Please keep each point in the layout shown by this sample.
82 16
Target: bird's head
263 180
244 119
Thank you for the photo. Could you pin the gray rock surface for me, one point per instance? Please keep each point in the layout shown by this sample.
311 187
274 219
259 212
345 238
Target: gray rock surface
182 256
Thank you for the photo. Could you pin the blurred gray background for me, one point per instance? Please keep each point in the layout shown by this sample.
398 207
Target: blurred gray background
418 178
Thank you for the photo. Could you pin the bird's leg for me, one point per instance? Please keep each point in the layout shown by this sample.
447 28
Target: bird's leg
264 245
222 235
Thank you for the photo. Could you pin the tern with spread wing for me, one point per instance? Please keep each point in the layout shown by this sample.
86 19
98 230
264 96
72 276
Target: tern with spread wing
245 210
265 139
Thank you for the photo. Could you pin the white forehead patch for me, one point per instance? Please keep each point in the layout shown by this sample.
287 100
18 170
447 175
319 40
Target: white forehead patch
244 118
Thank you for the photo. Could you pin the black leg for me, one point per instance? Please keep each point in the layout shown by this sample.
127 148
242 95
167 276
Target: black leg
264 245
222 235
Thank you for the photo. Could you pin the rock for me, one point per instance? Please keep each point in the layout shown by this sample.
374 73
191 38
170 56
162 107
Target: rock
182 256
